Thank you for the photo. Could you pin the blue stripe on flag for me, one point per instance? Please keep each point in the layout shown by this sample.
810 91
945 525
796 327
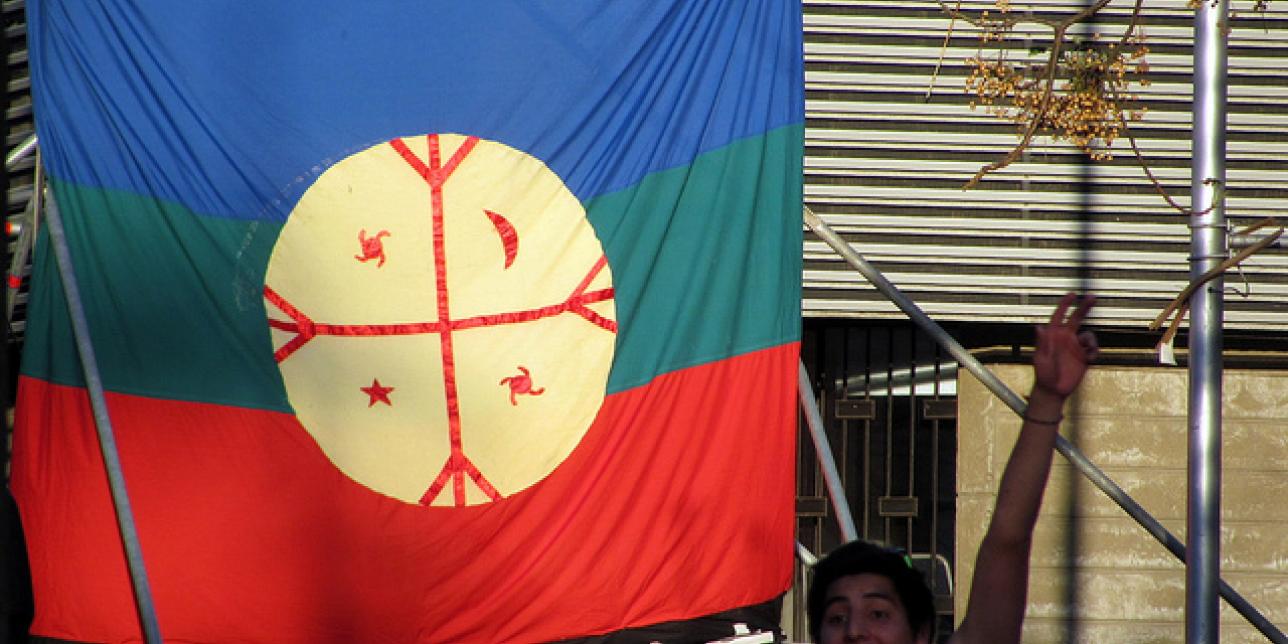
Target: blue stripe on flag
239 125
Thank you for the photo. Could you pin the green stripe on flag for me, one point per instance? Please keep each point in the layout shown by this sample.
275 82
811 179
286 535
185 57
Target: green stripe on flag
174 301
706 258
706 265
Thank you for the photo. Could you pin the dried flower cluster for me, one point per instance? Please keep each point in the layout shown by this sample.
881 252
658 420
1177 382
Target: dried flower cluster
1086 99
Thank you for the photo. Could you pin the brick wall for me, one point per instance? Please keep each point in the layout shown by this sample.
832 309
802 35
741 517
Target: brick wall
1131 422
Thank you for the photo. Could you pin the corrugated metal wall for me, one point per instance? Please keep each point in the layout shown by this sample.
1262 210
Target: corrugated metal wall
19 125
886 158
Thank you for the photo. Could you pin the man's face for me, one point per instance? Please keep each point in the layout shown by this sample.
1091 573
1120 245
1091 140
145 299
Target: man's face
866 608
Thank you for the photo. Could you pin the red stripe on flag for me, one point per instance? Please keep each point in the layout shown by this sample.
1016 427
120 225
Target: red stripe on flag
466 147
590 276
576 304
411 158
677 503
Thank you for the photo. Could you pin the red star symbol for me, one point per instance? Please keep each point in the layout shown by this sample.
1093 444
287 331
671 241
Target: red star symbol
377 393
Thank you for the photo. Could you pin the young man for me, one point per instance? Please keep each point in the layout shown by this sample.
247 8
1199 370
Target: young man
865 593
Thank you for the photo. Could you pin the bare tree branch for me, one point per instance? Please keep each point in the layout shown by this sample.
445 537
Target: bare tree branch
1140 158
1133 24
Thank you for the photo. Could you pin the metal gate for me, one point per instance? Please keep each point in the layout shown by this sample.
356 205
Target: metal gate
887 395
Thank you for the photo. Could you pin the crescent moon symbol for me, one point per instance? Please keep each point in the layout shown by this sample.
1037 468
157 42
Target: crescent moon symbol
509 236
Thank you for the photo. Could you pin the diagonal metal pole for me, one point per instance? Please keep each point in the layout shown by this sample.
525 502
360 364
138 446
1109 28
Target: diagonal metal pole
823 450
804 555
1017 404
103 422
20 151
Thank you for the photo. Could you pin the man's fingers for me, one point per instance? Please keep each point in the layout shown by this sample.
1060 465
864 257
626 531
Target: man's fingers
1089 345
1088 339
1057 317
1080 313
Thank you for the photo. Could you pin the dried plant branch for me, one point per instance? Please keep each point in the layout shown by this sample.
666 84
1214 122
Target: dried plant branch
1089 109
1170 335
1085 13
1077 94
1035 123
1217 196
1012 21
1184 296
942 51
981 22
1132 24
1140 158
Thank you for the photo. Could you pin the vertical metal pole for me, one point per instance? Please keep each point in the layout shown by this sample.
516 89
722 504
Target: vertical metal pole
1207 250
103 422
823 449
26 240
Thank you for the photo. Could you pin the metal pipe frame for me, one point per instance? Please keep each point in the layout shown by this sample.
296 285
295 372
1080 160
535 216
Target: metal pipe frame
1207 312
20 152
26 238
103 423
1017 405
22 249
823 450
807 558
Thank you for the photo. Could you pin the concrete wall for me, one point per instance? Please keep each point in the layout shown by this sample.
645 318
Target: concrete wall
1131 422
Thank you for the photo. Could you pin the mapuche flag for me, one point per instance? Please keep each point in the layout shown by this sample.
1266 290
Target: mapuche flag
419 321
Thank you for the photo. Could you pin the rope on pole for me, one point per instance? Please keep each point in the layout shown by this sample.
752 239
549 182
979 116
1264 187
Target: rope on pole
1017 404
103 423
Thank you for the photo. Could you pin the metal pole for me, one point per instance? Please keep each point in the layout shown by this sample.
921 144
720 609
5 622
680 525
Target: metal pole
1207 250
804 555
26 239
103 422
1017 404
823 449
20 152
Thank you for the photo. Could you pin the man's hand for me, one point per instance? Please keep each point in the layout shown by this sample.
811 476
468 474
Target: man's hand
1062 354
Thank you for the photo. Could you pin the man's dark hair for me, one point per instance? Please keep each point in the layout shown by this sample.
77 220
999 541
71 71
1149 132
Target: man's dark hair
858 557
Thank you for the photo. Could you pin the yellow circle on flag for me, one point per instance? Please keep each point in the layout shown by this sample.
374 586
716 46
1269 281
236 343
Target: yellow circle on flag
442 315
